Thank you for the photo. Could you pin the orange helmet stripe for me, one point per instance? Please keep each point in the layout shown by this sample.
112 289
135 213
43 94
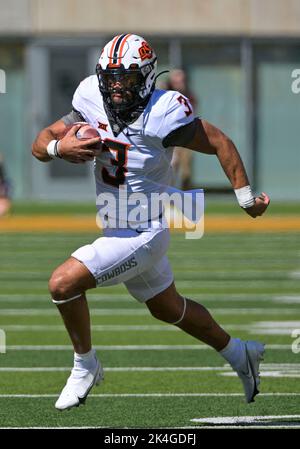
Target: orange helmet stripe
122 45
112 48
117 53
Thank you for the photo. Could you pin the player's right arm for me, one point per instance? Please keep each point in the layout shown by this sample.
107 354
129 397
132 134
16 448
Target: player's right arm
70 148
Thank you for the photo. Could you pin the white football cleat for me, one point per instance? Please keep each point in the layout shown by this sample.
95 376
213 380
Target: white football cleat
78 386
249 373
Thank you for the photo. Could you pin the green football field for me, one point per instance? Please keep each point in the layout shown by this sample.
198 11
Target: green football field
155 375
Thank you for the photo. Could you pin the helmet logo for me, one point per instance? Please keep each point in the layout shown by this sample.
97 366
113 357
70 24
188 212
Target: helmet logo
145 51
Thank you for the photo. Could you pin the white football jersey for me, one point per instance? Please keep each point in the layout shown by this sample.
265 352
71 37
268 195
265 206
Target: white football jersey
135 161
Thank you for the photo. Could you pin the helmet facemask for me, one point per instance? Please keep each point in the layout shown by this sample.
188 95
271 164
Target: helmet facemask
128 83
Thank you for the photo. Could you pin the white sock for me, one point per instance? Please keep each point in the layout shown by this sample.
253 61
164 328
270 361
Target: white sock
86 360
234 353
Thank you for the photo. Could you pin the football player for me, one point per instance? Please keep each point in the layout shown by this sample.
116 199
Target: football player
5 201
139 127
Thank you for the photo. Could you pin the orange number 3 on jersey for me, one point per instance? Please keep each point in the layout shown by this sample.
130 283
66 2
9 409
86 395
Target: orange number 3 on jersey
120 161
182 100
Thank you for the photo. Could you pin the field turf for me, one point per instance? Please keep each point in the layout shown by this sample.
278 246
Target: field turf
155 375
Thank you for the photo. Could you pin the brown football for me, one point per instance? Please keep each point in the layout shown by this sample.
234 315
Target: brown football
88 132
85 132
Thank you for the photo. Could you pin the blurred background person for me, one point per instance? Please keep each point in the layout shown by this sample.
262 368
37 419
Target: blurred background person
5 202
182 157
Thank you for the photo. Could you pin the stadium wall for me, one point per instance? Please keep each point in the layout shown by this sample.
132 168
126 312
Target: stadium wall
239 56
248 17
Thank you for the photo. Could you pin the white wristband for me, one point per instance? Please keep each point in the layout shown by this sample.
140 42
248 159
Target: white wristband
52 149
245 197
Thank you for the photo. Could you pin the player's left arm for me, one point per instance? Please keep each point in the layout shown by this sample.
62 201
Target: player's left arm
208 139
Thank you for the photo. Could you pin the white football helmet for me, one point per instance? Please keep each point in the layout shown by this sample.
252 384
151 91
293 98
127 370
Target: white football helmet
129 60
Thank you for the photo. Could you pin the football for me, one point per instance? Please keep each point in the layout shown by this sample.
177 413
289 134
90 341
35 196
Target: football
85 132
88 132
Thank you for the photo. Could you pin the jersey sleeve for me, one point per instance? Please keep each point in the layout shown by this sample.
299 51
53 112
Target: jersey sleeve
73 117
179 113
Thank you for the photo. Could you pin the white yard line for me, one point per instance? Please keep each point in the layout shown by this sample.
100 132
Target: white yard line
150 395
254 328
42 299
97 328
126 347
123 297
144 311
53 312
287 299
273 332
276 324
278 374
107 347
294 274
244 419
115 327
119 369
267 370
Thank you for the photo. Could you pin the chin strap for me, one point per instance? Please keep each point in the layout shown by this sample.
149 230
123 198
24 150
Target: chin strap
64 301
183 313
